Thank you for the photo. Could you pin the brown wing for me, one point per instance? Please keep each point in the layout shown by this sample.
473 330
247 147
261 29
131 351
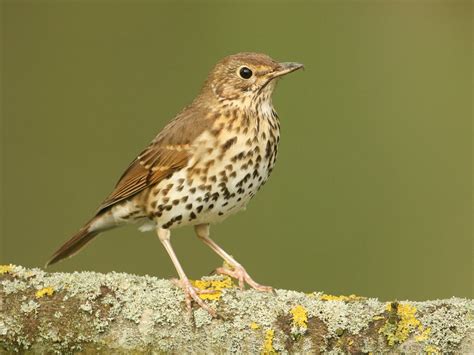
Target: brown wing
168 152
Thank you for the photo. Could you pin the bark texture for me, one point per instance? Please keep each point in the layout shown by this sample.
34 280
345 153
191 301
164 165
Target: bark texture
121 313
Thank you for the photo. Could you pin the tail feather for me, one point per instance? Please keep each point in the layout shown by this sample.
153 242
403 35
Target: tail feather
73 245
103 221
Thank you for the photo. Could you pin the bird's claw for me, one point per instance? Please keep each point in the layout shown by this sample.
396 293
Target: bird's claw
238 272
192 293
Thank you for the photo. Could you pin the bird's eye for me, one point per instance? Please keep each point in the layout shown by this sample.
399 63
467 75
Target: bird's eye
245 73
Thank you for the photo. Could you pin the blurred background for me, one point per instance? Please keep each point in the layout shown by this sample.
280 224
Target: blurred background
372 192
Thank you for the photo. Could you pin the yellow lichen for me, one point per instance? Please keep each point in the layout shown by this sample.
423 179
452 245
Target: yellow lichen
254 326
268 344
213 285
46 291
424 335
341 298
300 316
431 349
5 269
399 330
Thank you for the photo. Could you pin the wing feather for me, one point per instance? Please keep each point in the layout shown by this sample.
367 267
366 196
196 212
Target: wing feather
168 152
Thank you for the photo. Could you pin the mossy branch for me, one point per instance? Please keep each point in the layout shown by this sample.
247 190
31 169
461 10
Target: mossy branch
121 313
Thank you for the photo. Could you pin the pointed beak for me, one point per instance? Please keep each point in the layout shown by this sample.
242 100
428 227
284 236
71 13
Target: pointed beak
280 70
285 68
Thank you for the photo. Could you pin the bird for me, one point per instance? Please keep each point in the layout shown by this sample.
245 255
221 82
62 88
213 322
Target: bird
205 165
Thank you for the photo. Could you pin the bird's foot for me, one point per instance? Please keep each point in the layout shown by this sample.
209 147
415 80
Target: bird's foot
192 293
238 272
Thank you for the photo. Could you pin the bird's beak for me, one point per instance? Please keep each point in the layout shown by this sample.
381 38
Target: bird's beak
285 68
280 70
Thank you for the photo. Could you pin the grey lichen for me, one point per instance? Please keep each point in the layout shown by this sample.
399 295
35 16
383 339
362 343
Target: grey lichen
119 312
3 328
448 323
29 306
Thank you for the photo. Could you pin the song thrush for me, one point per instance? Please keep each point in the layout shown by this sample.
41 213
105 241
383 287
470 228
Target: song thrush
205 165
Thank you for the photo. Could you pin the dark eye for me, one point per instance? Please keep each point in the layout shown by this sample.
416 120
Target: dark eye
245 73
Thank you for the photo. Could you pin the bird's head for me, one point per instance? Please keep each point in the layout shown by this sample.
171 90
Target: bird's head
246 77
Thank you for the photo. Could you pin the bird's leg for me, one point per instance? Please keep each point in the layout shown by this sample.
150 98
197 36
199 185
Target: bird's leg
191 292
238 271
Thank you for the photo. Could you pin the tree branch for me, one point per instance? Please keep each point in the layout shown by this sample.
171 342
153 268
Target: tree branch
119 312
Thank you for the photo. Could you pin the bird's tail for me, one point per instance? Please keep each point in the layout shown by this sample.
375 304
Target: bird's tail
99 223
73 245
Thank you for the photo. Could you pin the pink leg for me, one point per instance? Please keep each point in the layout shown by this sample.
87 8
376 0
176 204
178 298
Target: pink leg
238 271
191 292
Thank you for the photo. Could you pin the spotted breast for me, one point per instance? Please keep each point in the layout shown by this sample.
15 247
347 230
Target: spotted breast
234 159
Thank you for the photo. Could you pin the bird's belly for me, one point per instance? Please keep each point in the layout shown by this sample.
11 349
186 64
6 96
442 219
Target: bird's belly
209 193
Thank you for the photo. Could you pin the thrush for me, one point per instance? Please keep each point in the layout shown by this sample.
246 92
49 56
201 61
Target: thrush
205 165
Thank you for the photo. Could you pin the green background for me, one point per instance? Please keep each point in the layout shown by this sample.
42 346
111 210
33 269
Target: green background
372 192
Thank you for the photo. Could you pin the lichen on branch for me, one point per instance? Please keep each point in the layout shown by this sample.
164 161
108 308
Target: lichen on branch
87 311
